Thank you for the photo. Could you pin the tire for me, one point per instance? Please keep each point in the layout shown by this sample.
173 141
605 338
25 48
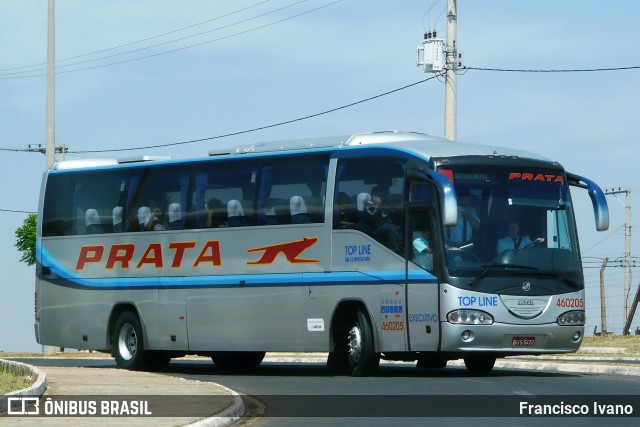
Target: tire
479 364
238 359
128 342
362 359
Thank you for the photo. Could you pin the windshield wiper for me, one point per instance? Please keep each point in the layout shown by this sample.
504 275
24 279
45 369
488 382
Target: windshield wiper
561 277
486 269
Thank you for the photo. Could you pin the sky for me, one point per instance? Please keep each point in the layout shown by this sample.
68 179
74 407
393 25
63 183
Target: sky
154 72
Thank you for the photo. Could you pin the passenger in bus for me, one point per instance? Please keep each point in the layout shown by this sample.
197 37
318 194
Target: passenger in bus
92 222
298 209
468 222
347 215
235 214
174 215
116 214
150 219
379 223
362 200
216 214
422 252
515 240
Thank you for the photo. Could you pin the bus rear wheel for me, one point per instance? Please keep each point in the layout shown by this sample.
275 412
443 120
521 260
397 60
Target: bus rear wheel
361 356
127 339
479 364
238 359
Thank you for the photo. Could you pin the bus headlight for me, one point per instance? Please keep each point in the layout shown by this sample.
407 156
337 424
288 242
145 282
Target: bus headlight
572 318
469 317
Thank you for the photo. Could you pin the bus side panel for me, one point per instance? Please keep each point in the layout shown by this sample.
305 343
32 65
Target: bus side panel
79 318
247 319
264 307
422 311
358 258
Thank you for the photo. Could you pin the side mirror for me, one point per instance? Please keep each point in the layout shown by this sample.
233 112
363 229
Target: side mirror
446 191
600 207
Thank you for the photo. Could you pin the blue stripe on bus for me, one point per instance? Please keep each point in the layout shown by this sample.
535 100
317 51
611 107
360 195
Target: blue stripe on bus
72 279
263 280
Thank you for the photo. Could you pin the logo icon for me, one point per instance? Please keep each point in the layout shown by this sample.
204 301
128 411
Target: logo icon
23 406
526 286
291 251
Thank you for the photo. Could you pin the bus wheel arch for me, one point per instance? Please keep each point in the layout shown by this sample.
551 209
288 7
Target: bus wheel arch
127 338
353 340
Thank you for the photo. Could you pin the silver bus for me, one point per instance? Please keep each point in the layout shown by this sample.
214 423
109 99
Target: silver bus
400 246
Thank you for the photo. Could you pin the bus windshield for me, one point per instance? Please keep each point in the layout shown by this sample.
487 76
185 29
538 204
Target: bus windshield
509 219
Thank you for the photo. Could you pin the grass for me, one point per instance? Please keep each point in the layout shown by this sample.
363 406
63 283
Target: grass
630 342
13 382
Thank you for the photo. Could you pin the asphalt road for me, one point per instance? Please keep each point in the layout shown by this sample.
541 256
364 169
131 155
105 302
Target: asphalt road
307 394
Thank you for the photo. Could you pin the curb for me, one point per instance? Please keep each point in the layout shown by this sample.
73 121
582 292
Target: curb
226 417
559 365
36 389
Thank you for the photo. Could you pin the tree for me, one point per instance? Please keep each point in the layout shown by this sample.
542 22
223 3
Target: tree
26 239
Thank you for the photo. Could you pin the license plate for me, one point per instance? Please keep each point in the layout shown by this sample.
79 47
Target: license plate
523 341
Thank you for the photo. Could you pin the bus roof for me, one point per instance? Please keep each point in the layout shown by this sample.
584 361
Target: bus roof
420 144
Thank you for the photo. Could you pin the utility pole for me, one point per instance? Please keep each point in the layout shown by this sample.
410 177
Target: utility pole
51 96
627 324
51 104
603 304
451 78
430 56
627 249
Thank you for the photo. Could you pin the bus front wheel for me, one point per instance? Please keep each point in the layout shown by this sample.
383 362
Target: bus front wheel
128 348
362 358
479 364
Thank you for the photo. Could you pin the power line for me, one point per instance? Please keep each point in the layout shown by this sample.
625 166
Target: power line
310 116
172 50
569 70
160 44
138 41
16 211
261 127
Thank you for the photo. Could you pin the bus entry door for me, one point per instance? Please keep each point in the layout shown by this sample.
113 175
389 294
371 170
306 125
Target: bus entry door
422 316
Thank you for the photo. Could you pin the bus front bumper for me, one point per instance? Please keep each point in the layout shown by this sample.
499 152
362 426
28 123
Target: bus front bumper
511 339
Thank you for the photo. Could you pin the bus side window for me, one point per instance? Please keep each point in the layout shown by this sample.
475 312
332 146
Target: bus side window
376 184
151 192
223 194
292 190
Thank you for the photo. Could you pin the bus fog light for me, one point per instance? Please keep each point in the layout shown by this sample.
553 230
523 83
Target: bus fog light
572 318
466 336
576 336
469 317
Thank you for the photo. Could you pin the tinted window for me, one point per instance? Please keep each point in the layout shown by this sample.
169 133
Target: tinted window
81 203
292 190
223 194
369 198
